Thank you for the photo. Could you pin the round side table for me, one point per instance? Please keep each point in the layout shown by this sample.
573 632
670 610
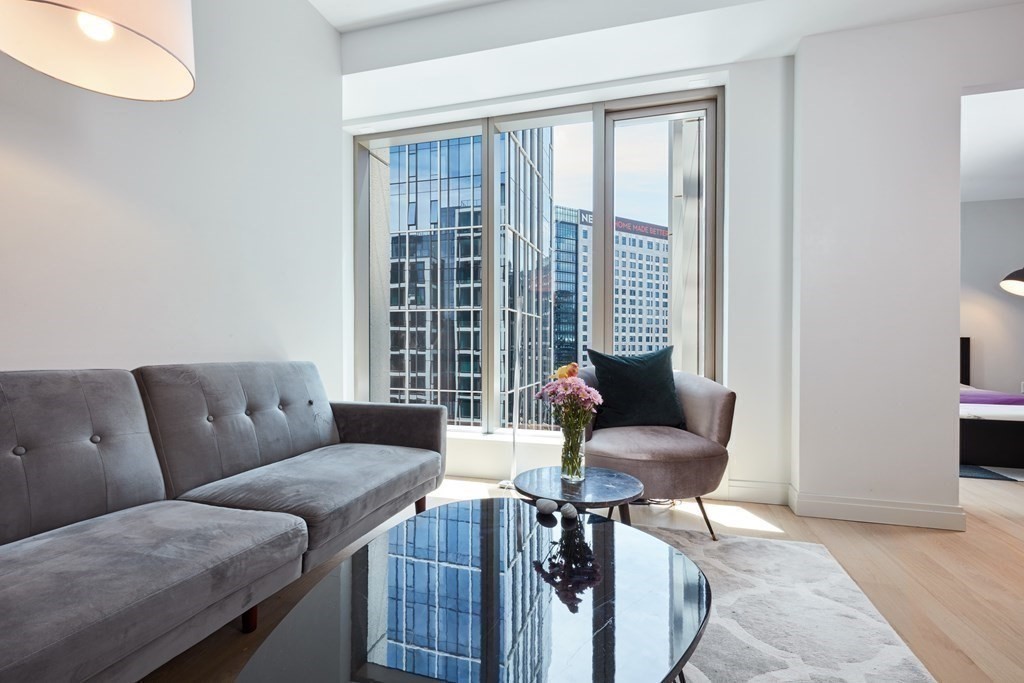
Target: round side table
599 489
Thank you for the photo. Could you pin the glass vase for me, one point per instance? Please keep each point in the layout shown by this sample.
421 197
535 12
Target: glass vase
573 454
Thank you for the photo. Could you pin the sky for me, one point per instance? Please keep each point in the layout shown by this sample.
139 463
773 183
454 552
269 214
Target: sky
641 169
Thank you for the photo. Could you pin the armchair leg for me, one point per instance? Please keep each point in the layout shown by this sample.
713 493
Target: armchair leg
250 619
700 504
421 505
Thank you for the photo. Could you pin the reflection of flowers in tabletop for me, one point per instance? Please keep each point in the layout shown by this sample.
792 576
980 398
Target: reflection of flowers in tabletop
570 568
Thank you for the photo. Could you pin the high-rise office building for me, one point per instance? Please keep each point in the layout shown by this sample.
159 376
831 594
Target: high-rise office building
526 259
572 284
641 287
567 294
435 219
641 272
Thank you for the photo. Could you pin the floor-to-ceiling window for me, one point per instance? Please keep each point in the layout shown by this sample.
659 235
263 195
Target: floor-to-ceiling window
663 253
500 249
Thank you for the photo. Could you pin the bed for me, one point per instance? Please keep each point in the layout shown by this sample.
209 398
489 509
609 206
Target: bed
991 422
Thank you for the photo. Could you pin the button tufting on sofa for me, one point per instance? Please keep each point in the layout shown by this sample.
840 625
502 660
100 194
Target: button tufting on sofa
81 522
248 412
209 418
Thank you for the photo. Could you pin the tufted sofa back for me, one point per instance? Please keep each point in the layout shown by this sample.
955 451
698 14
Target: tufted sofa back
73 445
214 420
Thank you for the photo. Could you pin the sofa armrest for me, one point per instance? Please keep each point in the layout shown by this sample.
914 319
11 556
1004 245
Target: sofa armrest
393 424
707 405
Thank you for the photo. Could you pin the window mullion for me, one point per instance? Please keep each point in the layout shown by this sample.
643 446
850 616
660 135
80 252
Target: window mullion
490 360
602 256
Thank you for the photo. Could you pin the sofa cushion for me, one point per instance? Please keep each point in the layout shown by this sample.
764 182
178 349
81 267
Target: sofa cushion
652 443
74 444
75 600
331 488
215 420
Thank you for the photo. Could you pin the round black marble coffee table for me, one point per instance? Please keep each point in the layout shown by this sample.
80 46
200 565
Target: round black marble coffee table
480 590
601 488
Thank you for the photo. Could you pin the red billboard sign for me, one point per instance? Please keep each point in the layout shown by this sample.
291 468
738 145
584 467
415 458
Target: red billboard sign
641 228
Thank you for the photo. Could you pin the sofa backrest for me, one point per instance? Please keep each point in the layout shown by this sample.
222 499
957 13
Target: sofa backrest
73 445
214 420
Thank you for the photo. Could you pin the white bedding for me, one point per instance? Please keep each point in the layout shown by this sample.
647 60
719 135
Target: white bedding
982 411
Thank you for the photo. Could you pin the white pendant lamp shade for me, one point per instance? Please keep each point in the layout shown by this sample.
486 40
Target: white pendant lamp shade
136 49
1014 282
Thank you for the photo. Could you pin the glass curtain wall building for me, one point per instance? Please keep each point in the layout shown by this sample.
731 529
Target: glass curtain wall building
434 219
526 260
573 230
435 223
567 286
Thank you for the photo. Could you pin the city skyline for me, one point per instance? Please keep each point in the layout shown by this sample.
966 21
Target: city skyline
433 219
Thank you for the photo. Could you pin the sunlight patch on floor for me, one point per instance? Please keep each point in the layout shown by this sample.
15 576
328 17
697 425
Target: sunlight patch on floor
728 515
470 489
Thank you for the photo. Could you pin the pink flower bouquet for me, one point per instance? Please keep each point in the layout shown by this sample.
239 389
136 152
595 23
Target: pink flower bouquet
573 404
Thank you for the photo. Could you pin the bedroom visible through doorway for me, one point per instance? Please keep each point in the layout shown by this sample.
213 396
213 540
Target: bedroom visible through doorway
992 286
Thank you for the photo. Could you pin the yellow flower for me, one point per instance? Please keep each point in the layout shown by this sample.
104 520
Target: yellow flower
570 370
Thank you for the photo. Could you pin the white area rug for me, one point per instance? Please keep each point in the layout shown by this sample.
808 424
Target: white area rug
787 611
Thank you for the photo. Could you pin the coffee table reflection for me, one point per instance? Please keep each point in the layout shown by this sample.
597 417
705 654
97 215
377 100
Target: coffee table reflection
482 591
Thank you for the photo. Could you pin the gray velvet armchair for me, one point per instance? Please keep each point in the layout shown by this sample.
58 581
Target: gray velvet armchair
672 463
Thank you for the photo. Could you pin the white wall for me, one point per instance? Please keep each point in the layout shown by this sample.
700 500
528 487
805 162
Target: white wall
876 243
757 286
201 230
992 245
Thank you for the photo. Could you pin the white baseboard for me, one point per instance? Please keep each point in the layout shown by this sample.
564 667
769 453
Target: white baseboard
767 492
901 513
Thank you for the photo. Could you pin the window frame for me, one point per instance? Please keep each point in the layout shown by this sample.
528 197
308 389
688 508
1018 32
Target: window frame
601 260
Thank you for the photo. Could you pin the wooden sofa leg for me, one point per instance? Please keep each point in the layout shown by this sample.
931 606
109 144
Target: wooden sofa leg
250 619
421 505
700 504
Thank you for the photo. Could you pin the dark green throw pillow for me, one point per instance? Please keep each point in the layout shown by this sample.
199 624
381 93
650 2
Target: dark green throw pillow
637 390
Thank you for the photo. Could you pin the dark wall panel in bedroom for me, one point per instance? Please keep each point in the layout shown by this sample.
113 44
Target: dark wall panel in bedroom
965 360
995 443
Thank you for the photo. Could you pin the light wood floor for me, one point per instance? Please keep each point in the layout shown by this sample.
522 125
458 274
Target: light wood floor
956 598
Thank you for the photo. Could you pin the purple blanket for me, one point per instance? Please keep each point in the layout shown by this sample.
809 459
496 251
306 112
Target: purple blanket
986 397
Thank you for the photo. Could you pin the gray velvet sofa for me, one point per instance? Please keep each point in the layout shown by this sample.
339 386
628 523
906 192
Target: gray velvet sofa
127 536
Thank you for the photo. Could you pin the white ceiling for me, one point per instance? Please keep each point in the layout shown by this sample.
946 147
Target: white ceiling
392 74
992 146
348 15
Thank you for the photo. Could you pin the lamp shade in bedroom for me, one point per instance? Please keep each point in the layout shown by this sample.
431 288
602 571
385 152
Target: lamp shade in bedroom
1014 282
